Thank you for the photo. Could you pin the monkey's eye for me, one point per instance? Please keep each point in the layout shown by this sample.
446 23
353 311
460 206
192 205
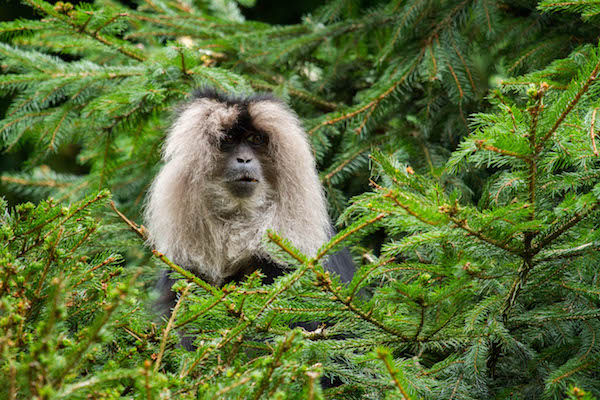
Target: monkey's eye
257 139
227 140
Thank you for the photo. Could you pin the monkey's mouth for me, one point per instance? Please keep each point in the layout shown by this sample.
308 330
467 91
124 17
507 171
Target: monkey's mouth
243 186
246 179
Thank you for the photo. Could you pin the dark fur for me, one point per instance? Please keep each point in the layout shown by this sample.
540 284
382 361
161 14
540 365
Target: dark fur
232 99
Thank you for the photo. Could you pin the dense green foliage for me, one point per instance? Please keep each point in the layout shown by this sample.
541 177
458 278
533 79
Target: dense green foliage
457 144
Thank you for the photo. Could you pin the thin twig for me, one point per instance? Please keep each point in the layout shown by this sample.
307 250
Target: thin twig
163 342
571 105
593 133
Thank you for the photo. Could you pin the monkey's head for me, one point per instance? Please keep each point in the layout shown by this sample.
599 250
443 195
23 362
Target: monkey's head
235 167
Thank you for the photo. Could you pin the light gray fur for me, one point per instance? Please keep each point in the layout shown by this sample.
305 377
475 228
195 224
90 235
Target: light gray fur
197 223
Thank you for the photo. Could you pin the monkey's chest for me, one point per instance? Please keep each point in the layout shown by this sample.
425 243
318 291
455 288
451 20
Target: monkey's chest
240 249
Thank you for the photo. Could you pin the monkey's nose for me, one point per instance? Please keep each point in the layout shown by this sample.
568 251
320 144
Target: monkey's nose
244 160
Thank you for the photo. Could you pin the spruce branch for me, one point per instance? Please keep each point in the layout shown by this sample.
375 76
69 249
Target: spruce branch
515 289
168 328
107 23
456 81
569 252
186 274
580 367
385 356
340 238
93 334
67 216
94 268
246 322
370 106
464 63
324 280
285 247
482 145
85 24
234 385
345 162
463 224
543 242
105 40
30 182
584 88
391 195
274 363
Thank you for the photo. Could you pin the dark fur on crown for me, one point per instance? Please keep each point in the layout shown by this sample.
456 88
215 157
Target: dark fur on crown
208 92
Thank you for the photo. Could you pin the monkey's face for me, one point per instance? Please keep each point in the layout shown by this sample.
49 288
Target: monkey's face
244 152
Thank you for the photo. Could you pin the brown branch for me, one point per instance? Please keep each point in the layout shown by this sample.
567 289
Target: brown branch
455 387
110 21
543 242
85 24
183 69
467 70
94 35
372 104
574 370
384 356
571 3
465 226
140 230
481 145
593 133
168 328
341 238
571 105
284 346
390 195
325 281
20 181
460 90
102 264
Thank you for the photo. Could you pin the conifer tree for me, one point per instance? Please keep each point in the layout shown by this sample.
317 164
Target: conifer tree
458 144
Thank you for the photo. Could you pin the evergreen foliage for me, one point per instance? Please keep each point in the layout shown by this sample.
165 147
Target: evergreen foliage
458 144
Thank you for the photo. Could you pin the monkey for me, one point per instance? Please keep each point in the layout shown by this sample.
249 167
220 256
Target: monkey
235 167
